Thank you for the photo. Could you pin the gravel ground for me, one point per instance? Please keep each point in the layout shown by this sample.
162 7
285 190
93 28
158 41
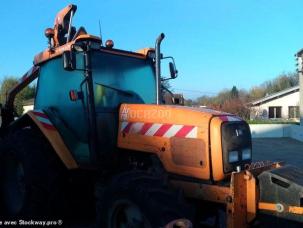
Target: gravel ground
278 149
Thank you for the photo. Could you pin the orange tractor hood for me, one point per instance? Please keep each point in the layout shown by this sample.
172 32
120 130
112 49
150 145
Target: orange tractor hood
178 135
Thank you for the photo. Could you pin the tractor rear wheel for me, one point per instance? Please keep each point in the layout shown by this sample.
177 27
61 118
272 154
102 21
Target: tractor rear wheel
32 176
139 200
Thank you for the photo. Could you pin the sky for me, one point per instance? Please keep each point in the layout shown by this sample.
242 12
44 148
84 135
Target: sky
216 43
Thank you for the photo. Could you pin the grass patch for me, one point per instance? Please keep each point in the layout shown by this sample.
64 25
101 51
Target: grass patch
272 122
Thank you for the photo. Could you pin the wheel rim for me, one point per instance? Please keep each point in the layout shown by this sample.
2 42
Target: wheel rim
13 187
127 215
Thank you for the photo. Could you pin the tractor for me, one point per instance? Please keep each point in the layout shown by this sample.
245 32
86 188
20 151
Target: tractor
100 120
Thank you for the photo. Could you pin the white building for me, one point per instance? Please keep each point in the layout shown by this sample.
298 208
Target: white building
28 105
281 105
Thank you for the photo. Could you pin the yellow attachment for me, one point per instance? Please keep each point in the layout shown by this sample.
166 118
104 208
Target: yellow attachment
276 207
240 197
51 54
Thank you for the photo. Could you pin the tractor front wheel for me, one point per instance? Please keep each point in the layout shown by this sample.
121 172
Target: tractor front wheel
140 200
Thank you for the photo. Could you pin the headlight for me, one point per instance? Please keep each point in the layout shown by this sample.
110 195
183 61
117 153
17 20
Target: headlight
233 156
246 154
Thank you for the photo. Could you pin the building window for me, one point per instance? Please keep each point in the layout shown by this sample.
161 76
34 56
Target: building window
293 112
177 101
274 112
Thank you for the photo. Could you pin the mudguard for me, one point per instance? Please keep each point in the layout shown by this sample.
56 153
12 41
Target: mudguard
42 121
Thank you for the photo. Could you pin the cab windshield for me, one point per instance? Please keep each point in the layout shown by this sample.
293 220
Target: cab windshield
122 79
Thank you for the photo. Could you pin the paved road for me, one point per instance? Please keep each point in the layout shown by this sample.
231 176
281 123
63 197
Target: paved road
278 149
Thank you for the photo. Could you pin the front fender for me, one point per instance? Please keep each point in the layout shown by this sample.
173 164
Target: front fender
42 121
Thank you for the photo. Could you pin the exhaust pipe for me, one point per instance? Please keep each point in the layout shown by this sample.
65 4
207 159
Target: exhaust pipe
158 67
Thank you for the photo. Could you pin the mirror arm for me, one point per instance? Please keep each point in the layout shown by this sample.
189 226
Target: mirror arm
165 79
170 57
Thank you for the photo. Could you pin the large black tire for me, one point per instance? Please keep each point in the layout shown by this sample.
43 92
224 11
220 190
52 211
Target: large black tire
136 199
32 176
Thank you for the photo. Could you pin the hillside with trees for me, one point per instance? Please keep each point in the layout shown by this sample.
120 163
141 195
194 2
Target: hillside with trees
236 100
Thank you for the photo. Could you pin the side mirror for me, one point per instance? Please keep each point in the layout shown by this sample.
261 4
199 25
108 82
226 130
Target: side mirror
173 70
69 60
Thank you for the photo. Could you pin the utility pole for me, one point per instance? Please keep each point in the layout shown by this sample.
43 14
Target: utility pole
299 64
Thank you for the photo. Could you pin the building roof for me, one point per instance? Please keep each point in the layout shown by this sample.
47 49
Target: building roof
275 95
29 102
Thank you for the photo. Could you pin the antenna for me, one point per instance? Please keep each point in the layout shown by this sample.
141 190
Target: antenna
100 32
